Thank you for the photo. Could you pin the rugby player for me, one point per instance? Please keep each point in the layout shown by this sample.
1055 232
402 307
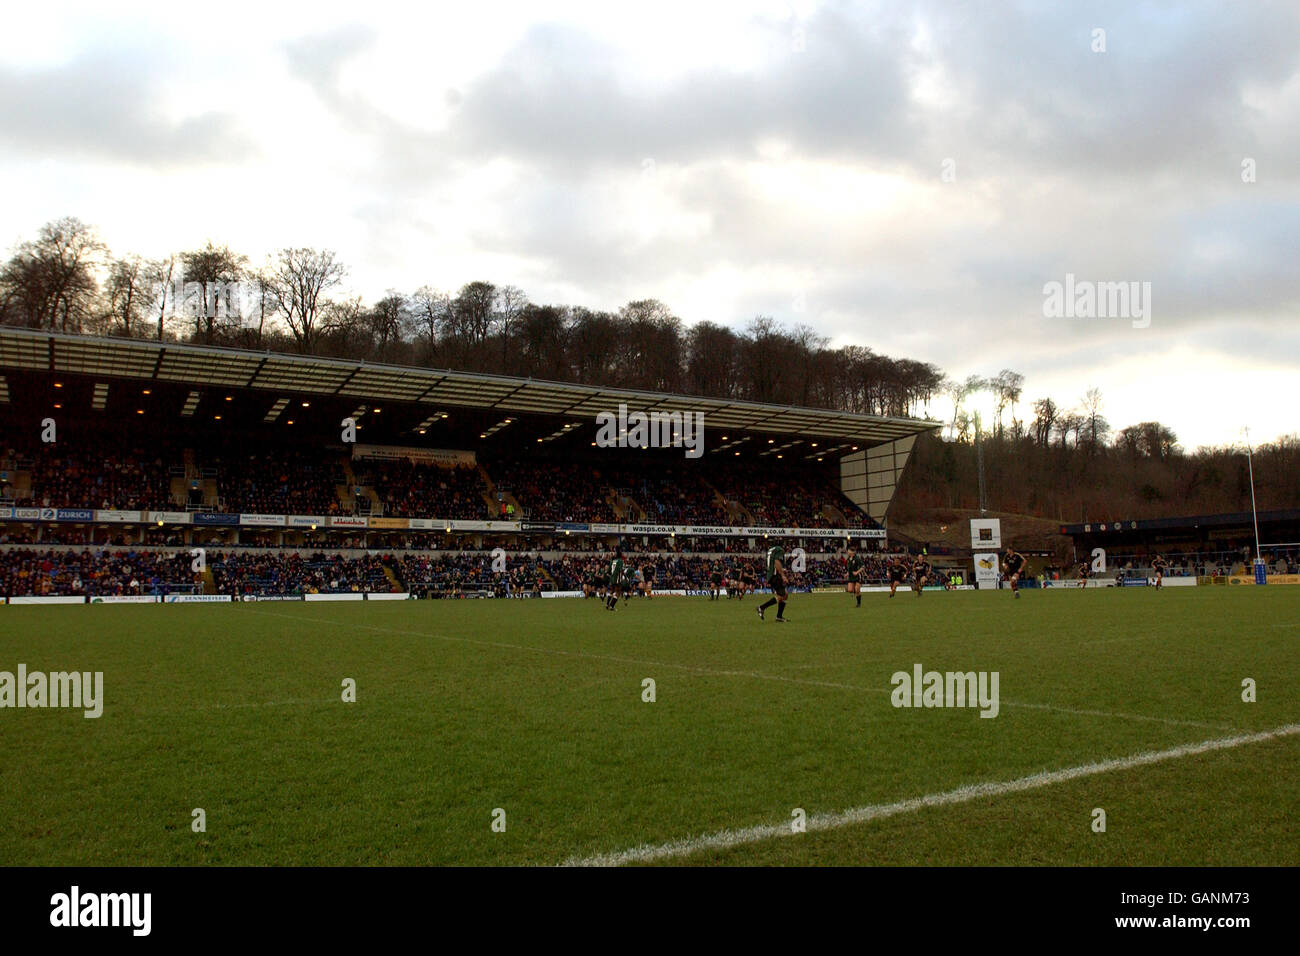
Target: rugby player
897 571
1013 563
1159 566
614 582
920 574
774 566
855 567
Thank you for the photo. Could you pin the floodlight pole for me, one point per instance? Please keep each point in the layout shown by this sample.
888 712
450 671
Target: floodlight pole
979 457
1250 464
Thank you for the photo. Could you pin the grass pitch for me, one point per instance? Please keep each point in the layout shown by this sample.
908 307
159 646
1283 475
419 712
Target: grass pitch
536 708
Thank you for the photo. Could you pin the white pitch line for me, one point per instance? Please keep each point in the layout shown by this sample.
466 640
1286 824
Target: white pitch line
725 839
751 675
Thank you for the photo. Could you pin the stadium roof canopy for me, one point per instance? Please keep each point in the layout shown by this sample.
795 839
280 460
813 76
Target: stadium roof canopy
206 366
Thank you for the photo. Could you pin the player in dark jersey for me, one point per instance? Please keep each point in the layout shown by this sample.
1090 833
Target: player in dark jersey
614 580
774 568
1013 564
1085 572
855 568
920 574
715 582
897 572
746 581
1159 566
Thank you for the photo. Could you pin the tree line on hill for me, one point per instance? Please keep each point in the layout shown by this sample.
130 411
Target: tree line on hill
1141 474
67 280
1065 462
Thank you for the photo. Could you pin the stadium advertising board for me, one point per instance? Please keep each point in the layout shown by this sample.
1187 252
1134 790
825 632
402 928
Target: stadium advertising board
435 456
197 599
211 518
986 534
399 596
118 517
124 599
334 597
347 521
48 599
276 521
307 521
168 517
723 531
391 523
74 514
271 597
986 570
1271 579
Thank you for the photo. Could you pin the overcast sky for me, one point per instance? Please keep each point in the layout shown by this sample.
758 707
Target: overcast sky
903 176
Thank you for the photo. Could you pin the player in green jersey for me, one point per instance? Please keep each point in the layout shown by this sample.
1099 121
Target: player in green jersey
774 568
615 583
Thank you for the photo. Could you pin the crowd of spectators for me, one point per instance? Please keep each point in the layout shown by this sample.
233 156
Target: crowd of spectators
83 472
100 572
424 490
276 481
245 572
675 495
104 571
459 573
98 472
552 492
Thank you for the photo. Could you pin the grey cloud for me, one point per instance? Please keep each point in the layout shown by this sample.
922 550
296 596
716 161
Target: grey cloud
106 106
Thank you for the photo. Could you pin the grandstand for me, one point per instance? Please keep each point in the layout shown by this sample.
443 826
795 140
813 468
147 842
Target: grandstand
113 448
1218 548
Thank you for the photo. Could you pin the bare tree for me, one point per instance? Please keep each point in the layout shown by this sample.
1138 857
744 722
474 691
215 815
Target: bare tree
1096 427
160 274
1045 412
510 305
429 309
1007 386
389 320
50 283
210 276
298 281
128 293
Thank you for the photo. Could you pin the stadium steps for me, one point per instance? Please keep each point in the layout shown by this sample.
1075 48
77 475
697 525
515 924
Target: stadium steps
494 507
208 582
834 516
22 485
490 491
625 507
344 491
392 578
